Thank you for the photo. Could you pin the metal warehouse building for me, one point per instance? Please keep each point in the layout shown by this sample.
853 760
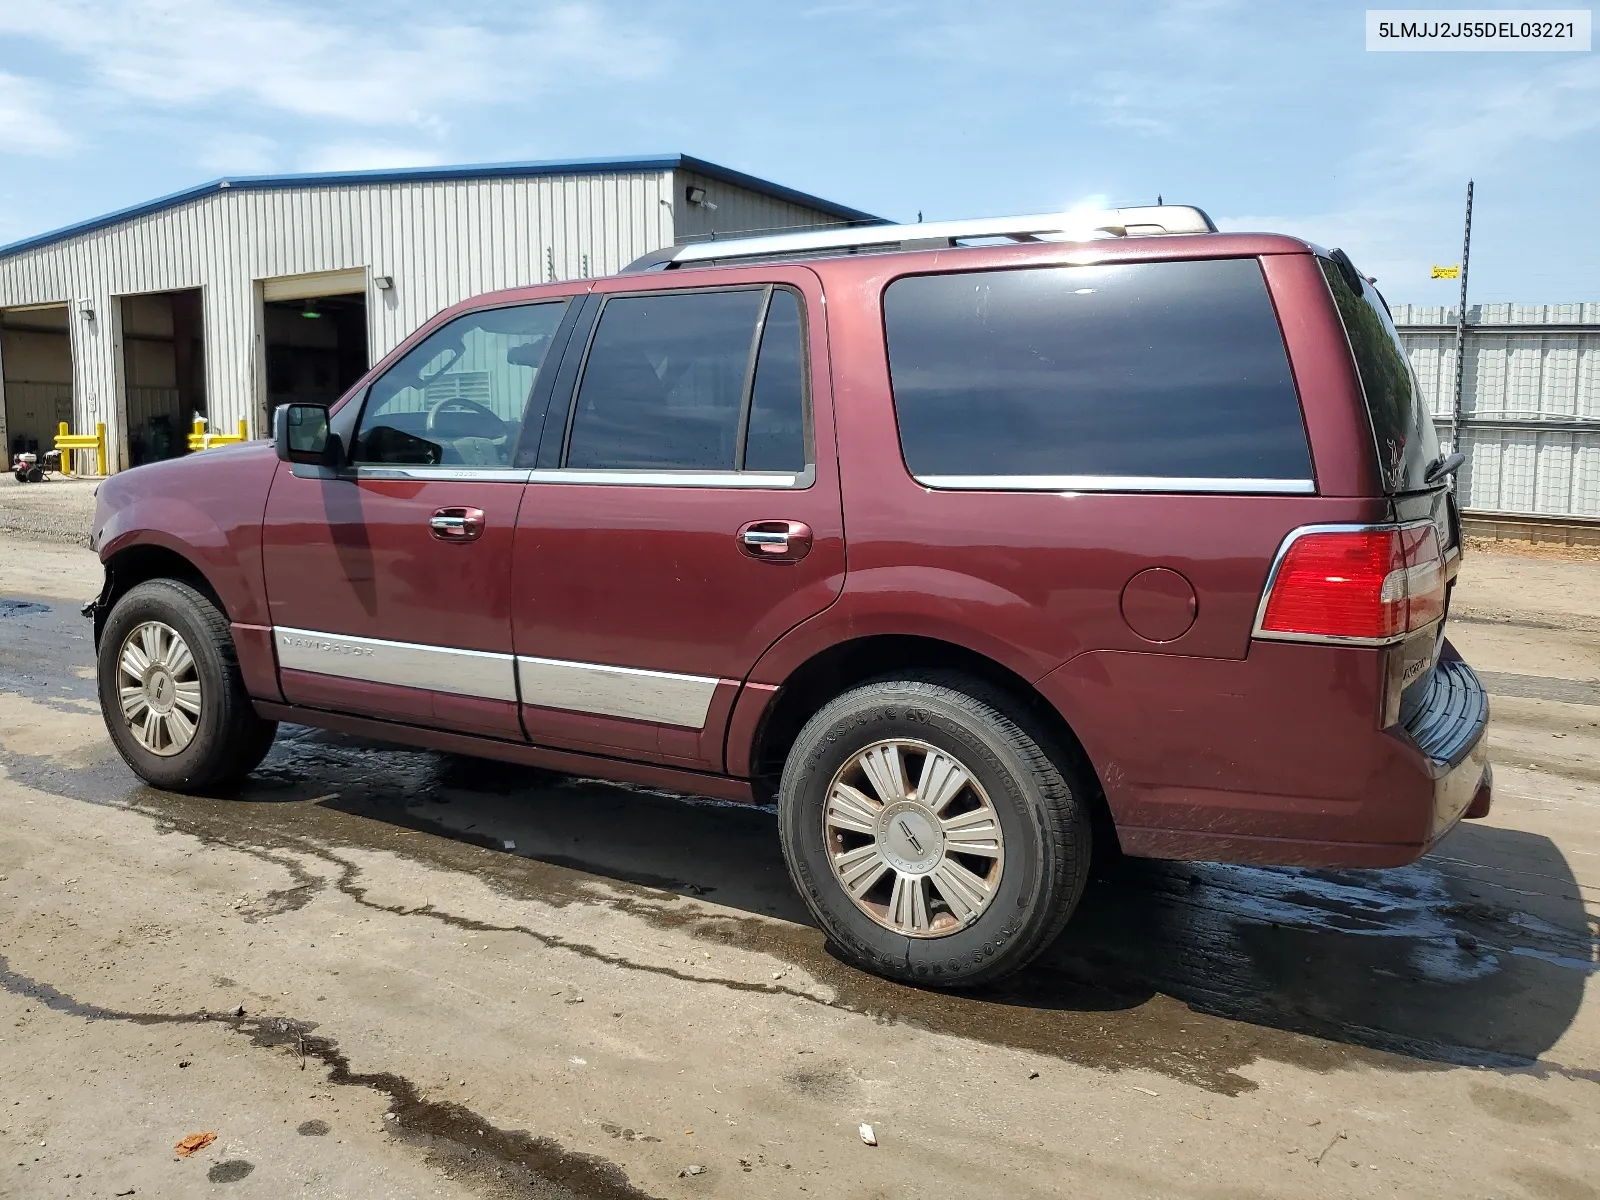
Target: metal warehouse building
230 298
1530 402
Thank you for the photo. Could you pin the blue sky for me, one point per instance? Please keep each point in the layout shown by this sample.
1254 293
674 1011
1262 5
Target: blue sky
1268 116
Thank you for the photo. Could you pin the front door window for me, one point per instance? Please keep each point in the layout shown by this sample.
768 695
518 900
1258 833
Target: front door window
457 399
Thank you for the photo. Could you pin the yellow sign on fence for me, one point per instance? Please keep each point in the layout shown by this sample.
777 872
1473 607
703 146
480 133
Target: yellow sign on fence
1446 272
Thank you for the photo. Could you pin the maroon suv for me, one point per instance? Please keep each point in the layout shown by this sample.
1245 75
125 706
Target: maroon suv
960 551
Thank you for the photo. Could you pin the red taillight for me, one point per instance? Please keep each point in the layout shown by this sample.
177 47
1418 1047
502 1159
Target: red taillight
1365 584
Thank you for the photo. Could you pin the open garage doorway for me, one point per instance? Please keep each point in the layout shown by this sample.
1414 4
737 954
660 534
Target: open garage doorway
35 377
164 377
315 332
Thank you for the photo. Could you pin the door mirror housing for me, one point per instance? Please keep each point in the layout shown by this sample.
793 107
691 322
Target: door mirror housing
303 435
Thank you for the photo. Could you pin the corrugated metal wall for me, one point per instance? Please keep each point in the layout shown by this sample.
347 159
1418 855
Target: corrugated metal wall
1530 401
440 241
738 212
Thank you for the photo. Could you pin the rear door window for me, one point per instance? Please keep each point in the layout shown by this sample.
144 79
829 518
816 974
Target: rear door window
709 381
1141 376
1408 444
776 439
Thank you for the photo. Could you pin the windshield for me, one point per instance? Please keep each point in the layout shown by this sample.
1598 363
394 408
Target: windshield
1401 424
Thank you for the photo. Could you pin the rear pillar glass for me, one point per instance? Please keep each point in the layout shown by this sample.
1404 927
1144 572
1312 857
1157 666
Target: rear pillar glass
1402 427
1141 372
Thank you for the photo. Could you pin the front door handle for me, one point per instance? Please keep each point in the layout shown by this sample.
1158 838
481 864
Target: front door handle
457 524
775 541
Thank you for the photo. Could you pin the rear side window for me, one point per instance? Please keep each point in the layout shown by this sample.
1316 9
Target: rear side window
1146 376
693 381
1408 444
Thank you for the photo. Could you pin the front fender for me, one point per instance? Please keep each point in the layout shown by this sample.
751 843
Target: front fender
206 512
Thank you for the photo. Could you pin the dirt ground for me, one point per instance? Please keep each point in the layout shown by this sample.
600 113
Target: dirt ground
55 510
389 973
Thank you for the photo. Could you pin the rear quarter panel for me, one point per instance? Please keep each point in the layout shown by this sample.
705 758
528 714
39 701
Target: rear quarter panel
1206 731
1034 579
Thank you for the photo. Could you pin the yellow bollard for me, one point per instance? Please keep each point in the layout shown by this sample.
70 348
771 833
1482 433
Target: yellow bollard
199 439
68 442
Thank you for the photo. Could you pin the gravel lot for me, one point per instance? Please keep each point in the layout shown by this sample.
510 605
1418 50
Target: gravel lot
57 510
387 972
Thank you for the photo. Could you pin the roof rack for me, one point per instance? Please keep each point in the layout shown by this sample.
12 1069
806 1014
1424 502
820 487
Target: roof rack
933 235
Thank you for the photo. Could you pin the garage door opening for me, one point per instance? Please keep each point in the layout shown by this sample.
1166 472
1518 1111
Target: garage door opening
316 346
163 363
36 362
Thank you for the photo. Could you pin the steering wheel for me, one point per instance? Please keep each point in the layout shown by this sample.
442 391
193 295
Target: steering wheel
465 418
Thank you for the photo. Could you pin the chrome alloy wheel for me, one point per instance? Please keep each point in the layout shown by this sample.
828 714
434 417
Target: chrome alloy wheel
913 838
160 688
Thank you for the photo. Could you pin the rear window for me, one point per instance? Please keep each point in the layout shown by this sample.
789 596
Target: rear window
1407 443
1146 376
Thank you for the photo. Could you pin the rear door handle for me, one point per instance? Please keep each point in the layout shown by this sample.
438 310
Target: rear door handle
457 524
775 541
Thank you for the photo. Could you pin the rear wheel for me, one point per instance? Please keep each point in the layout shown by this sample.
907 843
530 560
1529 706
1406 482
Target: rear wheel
171 693
930 834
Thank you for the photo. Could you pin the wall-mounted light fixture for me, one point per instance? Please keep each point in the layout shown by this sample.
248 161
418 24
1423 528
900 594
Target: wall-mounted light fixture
383 282
697 196
86 309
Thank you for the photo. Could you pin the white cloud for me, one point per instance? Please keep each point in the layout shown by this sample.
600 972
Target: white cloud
1149 102
1470 128
25 125
1391 242
240 154
326 62
367 156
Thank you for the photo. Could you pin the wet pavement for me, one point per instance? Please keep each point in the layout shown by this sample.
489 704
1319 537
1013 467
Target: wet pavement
1221 979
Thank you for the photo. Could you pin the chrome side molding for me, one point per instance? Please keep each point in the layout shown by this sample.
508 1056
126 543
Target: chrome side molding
661 697
400 664
691 479
1117 483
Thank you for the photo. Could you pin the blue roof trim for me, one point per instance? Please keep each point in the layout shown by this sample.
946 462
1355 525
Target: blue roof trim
569 166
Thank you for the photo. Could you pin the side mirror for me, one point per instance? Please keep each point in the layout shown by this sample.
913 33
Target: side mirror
302 435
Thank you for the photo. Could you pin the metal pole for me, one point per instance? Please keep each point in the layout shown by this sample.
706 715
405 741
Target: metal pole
1461 330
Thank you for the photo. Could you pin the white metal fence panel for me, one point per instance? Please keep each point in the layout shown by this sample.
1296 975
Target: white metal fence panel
1549 472
1433 358
1530 402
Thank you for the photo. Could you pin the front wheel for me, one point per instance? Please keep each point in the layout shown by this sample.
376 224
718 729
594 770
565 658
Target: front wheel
930 834
171 693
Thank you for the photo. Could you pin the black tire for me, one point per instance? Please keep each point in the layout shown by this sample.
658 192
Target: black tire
1044 821
229 738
